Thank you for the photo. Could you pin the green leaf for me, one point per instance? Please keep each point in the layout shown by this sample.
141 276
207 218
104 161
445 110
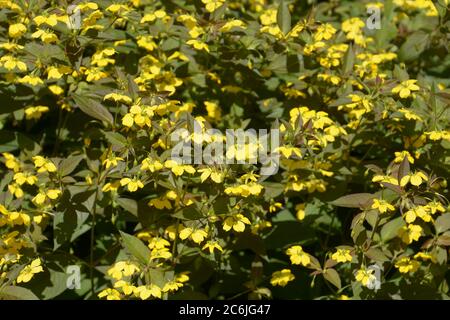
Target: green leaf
67 166
390 230
188 213
11 141
9 100
349 60
414 45
443 240
70 220
136 247
376 255
116 139
17 293
272 189
69 225
130 205
93 108
332 276
442 223
284 17
441 7
45 52
356 200
8 141
157 277
54 285
284 215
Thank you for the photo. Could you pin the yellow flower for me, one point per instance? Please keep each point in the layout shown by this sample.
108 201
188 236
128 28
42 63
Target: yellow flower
172 286
300 211
117 97
342 255
365 276
382 178
151 164
197 235
43 164
275 206
132 184
352 26
178 169
56 90
198 45
114 186
215 175
245 190
438 135
324 32
51 20
47 37
150 17
118 8
399 156
31 80
211 245
16 190
268 17
42 196
158 243
419 211
162 253
213 109
110 294
29 271
281 278
139 115
435 206
25 177
213 5
171 231
382 205
103 58
298 256
95 74
122 269
10 63
19 218
35 112
232 24
287 151
425 256
237 222
112 161
406 265
145 292
182 277
416 179
11 162
405 88
57 72
410 115
160 203
125 287
410 233
16 30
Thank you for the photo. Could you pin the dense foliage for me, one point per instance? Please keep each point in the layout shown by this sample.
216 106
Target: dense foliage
90 94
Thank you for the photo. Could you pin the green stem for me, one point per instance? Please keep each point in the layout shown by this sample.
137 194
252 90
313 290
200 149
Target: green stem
92 240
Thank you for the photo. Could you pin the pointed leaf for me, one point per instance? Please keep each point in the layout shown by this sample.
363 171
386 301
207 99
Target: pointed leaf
136 247
284 17
94 109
